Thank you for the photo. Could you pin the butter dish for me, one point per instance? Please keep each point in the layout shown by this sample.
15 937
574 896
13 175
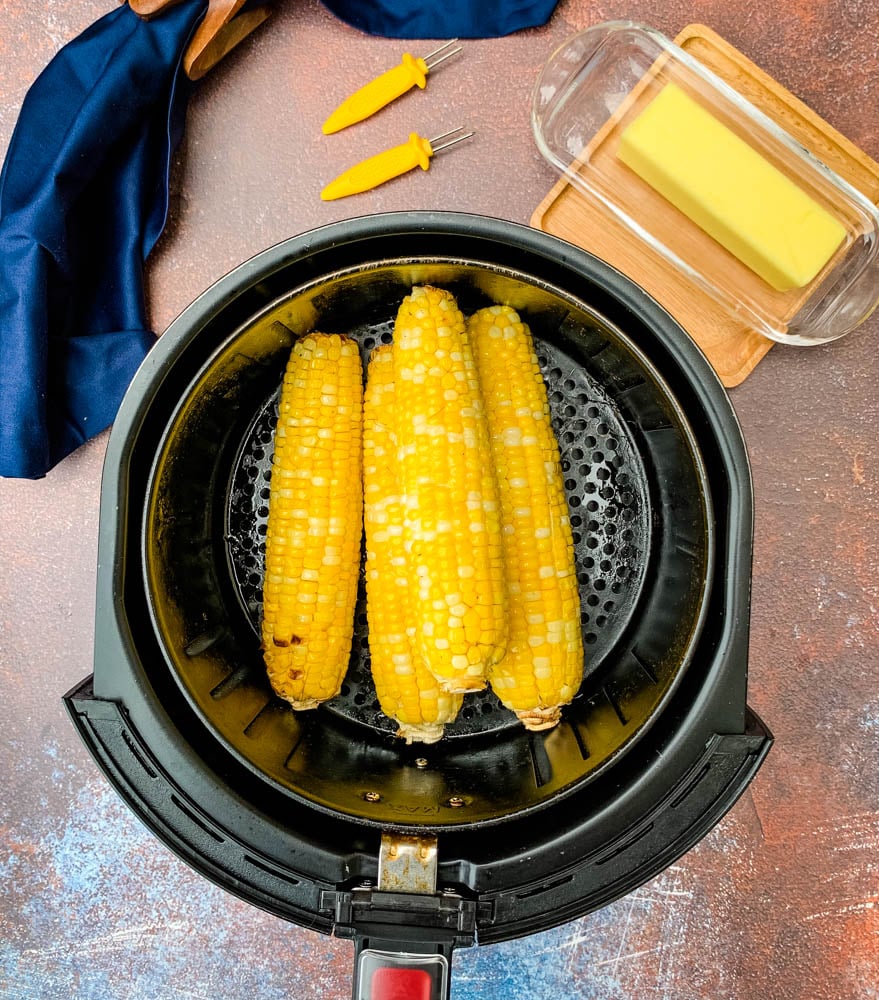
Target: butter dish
709 184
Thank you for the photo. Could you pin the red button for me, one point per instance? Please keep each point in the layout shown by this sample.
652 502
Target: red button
400 984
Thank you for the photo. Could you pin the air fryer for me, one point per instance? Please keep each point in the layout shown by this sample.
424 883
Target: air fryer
324 817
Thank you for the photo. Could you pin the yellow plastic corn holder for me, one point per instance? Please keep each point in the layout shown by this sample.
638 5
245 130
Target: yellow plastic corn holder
415 152
411 72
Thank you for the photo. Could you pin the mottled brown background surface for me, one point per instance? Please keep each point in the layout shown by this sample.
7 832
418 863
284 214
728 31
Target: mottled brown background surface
781 900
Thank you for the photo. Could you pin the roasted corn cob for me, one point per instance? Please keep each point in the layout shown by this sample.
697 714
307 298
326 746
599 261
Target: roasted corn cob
314 523
452 529
407 692
543 667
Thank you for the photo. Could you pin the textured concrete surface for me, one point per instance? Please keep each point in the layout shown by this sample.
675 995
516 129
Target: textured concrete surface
781 900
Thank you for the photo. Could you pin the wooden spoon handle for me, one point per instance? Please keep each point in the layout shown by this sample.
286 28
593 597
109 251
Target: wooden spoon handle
201 58
149 8
217 34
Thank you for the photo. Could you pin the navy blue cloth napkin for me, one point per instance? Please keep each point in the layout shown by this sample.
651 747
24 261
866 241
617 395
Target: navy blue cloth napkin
442 18
84 197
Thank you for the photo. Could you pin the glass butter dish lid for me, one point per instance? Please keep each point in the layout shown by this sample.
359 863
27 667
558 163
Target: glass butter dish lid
702 178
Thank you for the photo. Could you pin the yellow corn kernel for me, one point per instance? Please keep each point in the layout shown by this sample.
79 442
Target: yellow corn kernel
315 520
452 518
543 667
407 691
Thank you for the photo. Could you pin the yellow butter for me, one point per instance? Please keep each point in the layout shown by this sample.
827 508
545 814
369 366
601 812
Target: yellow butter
729 190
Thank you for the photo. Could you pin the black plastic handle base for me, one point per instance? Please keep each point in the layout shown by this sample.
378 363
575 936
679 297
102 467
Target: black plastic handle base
403 940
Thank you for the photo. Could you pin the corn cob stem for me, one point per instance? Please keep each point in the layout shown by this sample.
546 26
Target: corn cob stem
315 520
452 519
543 667
407 692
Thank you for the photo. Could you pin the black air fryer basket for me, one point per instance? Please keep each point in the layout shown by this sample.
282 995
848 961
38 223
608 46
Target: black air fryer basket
325 817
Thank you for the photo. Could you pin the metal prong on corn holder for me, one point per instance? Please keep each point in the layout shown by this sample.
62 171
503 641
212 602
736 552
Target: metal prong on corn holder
451 142
433 59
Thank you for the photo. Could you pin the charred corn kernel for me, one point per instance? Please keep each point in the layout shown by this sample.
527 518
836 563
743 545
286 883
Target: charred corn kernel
543 667
407 691
315 521
452 517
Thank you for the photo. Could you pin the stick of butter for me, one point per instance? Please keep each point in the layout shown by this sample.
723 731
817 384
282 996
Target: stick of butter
729 190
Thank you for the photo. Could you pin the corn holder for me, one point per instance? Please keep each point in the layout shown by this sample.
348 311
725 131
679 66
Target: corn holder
739 214
394 162
411 71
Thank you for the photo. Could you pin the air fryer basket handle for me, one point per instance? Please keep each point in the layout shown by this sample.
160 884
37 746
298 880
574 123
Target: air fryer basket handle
393 974
403 940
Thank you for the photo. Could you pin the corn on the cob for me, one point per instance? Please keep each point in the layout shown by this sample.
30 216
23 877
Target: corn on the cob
543 667
452 518
315 520
407 691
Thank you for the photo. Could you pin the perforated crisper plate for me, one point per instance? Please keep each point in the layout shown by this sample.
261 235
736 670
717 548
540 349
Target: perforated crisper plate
607 496
640 511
